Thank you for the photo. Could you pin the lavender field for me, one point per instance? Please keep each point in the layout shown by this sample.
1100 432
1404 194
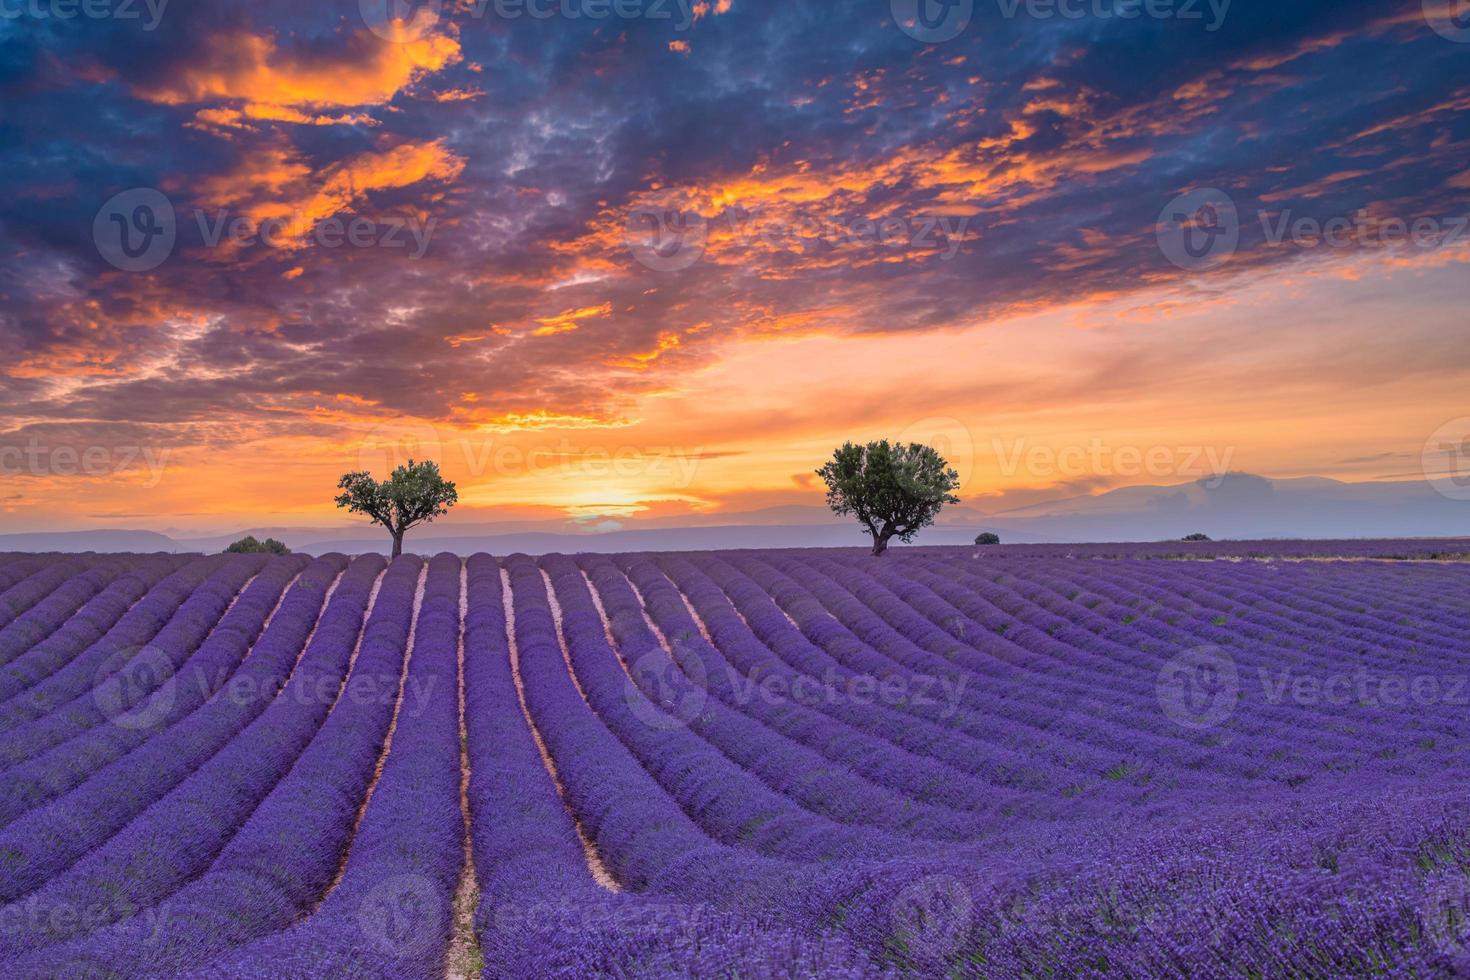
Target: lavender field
945 762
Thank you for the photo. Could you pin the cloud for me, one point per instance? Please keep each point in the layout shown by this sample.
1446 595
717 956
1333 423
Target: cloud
260 80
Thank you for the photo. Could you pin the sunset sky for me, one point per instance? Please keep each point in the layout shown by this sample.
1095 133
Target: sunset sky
446 246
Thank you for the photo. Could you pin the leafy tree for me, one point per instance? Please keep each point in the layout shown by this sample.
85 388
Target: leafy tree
988 537
414 492
1197 536
894 489
249 546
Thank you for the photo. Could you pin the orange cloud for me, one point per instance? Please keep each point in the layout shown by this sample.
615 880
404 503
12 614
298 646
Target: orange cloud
271 83
275 185
568 320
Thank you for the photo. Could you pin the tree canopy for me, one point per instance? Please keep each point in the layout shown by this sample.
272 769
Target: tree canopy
413 493
894 489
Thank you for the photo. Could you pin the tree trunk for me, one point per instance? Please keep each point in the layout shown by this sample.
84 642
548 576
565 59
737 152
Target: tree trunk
397 543
880 544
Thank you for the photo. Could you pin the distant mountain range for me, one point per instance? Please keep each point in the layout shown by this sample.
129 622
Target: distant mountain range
1240 506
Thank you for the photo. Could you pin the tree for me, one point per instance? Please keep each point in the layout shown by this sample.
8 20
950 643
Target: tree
414 492
249 546
1197 536
894 489
988 537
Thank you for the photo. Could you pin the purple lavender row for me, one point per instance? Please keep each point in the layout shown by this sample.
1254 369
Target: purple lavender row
745 629
737 725
1080 670
28 591
178 838
101 612
1320 886
690 767
14 567
644 837
541 914
1111 721
1000 721
736 651
149 693
390 915
138 625
911 755
283 857
1124 702
102 801
1142 753
1265 647
1102 721
127 768
46 616
1257 735
129 674
652 845
1375 590
1402 549
1293 609
660 847
525 845
1379 728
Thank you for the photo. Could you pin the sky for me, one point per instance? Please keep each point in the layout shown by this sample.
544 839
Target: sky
616 259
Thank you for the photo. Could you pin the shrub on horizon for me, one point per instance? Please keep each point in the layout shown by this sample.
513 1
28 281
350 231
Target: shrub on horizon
249 546
988 537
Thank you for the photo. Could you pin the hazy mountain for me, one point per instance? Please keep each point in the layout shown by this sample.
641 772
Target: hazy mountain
1238 506
100 540
1244 506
